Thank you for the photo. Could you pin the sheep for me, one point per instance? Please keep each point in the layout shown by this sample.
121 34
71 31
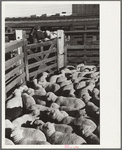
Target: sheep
68 90
87 89
33 92
27 136
16 101
40 99
18 122
61 79
23 88
65 101
78 124
27 101
95 97
38 86
74 113
49 87
57 115
79 85
53 79
8 142
92 110
64 83
58 127
56 137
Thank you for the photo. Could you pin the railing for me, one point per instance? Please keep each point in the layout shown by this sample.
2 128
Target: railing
14 65
83 45
25 62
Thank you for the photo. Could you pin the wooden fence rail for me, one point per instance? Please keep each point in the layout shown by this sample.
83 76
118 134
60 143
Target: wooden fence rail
25 62
83 45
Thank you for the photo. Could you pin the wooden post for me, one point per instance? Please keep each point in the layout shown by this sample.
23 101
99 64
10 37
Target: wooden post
65 53
85 40
25 57
60 49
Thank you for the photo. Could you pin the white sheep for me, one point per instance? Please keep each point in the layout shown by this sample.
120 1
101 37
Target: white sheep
55 137
16 101
27 136
27 101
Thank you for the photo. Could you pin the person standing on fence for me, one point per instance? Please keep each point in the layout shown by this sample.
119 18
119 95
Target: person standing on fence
37 34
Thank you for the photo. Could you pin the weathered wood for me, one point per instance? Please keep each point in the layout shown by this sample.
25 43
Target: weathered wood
65 56
13 83
52 22
82 52
26 60
82 59
81 31
41 62
40 53
13 45
42 70
30 46
82 47
14 71
13 61
60 49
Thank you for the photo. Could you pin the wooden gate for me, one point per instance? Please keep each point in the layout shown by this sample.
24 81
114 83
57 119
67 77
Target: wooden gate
25 62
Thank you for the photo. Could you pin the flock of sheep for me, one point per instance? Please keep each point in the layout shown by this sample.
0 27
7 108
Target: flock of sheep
61 109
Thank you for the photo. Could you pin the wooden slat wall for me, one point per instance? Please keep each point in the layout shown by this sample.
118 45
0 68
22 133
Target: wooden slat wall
83 46
14 66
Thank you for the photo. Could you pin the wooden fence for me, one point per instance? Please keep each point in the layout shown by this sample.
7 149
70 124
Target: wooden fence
25 62
83 45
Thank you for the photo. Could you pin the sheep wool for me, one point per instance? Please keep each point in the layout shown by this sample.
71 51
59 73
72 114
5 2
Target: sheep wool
8 142
16 101
21 135
27 100
55 137
18 122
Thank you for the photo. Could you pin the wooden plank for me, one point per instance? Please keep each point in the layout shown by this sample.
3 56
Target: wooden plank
65 56
81 31
75 59
60 49
13 60
26 60
16 70
48 23
10 46
41 53
35 45
78 53
13 83
82 47
42 61
42 70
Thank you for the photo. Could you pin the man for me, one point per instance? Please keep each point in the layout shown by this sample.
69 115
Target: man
38 34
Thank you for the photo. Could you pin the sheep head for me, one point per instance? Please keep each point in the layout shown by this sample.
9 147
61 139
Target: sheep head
48 128
17 92
42 81
45 74
23 88
55 106
51 96
16 134
56 114
30 92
